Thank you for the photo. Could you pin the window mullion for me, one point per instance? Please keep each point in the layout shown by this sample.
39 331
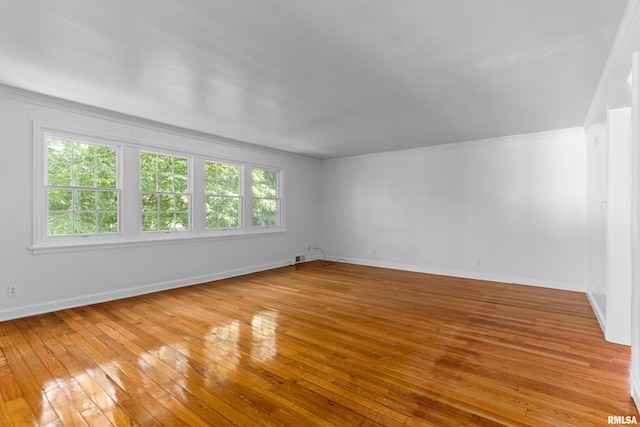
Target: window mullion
130 203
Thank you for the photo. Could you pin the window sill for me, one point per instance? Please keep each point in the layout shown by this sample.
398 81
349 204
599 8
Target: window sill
74 244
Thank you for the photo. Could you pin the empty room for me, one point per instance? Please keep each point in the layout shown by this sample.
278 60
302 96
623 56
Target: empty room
300 213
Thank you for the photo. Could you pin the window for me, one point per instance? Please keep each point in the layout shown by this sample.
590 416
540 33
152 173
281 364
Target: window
81 188
223 201
94 190
266 197
164 183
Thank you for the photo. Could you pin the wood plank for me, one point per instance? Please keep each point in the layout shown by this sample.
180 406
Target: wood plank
318 344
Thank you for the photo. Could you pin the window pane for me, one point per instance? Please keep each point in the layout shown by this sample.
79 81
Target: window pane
182 221
180 167
85 200
166 221
60 200
107 201
165 164
223 212
107 222
83 176
165 182
106 157
182 203
84 154
149 203
265 183
264 188
150 222
59 151
180 184
84 223
165 200
106 178
148 162
167 203
59 223
264 212
148 181
59 174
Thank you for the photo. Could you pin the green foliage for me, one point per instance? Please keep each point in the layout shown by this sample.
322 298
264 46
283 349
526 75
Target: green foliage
163 174
60 223
107 201
264 183
223 195
84 223
106 178
264 189
59 174
60 199
264 212
222 180
59 151
223 212
107 222
164 182
148 162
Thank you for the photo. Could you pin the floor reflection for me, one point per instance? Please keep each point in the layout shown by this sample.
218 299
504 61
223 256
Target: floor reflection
263 330
222 346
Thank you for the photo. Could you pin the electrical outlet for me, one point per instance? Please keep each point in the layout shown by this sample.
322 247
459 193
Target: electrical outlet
12 291
299 259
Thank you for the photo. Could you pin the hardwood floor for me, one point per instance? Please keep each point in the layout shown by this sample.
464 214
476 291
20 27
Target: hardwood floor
318 344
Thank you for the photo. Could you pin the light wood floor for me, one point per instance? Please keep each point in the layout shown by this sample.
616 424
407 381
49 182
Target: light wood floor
318 345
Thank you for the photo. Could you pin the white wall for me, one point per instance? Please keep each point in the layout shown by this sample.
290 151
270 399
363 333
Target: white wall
635 232
618 259
55 280
515 204
597 152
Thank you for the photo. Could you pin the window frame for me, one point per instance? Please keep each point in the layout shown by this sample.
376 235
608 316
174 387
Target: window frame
188 193
241 195
278 199
77 189
42 186
129 197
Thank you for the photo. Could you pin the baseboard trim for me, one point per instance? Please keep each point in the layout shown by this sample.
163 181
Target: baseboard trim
51 306
598 312
528 281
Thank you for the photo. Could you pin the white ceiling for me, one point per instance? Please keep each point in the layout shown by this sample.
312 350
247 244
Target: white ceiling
323 78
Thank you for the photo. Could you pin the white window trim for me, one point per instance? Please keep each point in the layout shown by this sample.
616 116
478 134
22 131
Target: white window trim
130 227
40 208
